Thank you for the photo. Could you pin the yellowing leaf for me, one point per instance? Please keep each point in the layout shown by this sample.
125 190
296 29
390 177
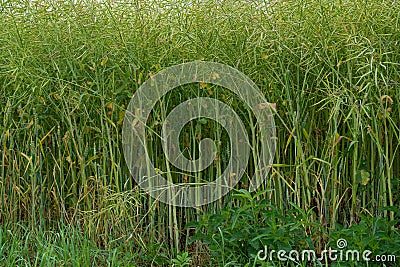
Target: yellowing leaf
388 98
29 124
104 61
158 171
69 160
273 106
57 96
365 177
121 117
215 76
262 106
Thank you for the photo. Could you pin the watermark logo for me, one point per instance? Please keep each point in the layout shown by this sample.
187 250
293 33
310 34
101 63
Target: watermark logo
341 243
330 255
135 144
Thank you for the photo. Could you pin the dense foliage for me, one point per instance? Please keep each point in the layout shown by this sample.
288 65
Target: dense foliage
67 73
